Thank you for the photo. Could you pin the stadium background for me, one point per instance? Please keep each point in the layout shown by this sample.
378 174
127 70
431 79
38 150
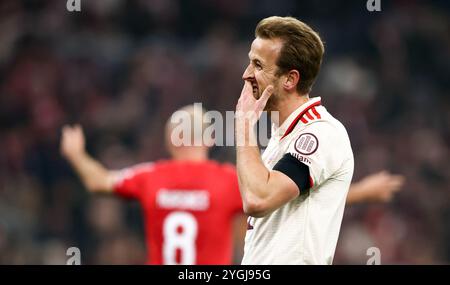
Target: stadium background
121 67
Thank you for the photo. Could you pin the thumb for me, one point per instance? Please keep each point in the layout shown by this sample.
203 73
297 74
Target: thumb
266 95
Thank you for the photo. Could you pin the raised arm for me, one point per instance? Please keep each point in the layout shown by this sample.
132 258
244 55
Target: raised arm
95 177
378 187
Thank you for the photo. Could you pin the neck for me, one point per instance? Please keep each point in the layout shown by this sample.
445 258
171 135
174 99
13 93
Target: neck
287 105
190 153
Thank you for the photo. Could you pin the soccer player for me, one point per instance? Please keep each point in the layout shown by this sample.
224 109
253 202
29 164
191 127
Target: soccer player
296 192
189 202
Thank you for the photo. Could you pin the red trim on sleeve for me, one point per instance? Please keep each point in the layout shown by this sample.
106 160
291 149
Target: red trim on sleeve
308 114
313 109
311 182
298 118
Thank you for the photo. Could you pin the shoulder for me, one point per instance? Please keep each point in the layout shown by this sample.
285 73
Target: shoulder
133 173
226 169
147 168
324 125
139 168
218 170
325 135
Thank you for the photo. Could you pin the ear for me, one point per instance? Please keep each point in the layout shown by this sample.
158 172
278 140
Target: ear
292 80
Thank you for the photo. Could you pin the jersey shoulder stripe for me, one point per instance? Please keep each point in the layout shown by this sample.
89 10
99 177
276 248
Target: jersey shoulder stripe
306 116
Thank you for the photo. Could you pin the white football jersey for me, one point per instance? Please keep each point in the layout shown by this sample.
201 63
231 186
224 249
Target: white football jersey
306 229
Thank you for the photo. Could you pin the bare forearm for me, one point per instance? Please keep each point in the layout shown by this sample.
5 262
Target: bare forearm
262 190
354 194
378 187
92 173
253 175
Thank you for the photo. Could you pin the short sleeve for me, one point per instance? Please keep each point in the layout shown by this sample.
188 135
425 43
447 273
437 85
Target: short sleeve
316 147
129 182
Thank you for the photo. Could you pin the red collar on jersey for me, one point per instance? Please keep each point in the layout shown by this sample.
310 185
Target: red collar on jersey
304 120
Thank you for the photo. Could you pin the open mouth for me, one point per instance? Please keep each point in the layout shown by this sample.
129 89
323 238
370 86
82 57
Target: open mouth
255 90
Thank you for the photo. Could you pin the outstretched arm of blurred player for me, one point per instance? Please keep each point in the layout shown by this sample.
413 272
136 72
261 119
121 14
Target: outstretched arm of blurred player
379 187
95 177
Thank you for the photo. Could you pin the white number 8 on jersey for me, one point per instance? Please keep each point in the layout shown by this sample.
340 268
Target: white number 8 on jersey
184 240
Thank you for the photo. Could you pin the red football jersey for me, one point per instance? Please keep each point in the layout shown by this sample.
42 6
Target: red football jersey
188 209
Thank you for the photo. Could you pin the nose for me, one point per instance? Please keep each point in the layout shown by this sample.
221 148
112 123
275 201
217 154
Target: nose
248 73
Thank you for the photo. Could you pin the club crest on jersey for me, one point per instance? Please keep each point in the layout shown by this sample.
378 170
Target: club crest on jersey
306 144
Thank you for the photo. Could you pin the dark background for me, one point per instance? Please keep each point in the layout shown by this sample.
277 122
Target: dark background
120 68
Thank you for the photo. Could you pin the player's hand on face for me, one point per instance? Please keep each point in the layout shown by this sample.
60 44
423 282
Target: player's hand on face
72 141
382 186
248 108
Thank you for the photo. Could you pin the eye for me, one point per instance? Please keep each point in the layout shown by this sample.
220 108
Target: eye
257 65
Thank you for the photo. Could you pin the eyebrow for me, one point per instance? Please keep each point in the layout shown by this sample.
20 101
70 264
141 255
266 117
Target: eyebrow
255 59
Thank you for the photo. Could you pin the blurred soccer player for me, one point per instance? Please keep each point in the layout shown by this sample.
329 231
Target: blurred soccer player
189 202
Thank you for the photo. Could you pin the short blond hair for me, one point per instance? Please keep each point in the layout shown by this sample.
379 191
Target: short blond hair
302 48
196 117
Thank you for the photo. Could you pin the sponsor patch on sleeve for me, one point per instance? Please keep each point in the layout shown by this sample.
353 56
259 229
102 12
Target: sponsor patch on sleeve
306 144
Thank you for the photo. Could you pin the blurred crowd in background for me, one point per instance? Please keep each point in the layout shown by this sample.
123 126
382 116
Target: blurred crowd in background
121 67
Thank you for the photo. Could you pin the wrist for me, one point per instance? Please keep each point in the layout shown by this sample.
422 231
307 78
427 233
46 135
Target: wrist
363 193
246 138
76 156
